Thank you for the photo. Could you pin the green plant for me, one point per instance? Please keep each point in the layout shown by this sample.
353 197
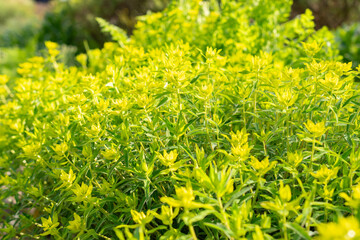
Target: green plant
73 22
197 127
348 37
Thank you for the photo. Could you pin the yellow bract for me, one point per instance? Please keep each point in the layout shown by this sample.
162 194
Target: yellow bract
325 174
285 192
168 159
141 218
316 129
346 229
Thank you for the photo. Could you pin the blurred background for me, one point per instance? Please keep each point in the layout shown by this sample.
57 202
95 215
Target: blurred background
26 24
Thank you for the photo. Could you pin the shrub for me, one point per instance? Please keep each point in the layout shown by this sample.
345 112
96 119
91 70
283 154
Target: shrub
211 122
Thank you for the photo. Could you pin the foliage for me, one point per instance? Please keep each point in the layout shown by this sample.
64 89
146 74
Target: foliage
72 22
212 122
348 37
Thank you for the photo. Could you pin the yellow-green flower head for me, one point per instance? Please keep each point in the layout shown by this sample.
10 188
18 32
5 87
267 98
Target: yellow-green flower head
110 154
346 229
83 192
354 200
317 67
49 225
168 159
3 79
295 158
325 174
141 218
32 150
184 198
239 138
285 192
286 97
312 48
317 130
52 48
241 151
356 192
60 149
77 225
185 195
68 178
332 81
167 214
257 165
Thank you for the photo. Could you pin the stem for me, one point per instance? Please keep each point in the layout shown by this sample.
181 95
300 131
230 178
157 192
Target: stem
244 113
256 192
312 159
223 213
326 211
192 231
287 131
284 228
207 125
264 145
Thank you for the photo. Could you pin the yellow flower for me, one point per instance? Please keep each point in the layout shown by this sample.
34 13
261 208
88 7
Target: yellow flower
60 149
262 167
257 165
354 200
68 178
285 192
241 151
110 154
141 218
332 81
167 214
52 48
295 158
324 175
239 138
311 48
83 192
185 198
317 130
346 229
3 79
168 159
286 97
77 225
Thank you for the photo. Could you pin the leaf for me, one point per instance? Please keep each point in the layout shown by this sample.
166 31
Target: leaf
116 33
162 102
219 227
299 230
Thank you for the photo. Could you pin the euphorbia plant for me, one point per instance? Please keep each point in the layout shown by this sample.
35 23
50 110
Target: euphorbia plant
196 127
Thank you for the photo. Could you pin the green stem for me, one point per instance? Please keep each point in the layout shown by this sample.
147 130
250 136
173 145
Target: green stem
311 160
192 231
223 213
256 192
284 228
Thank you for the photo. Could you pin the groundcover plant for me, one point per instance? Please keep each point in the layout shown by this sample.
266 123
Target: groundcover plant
211 122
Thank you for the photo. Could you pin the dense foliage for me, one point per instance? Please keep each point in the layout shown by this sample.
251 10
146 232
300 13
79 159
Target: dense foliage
72 22
348 38
212 122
